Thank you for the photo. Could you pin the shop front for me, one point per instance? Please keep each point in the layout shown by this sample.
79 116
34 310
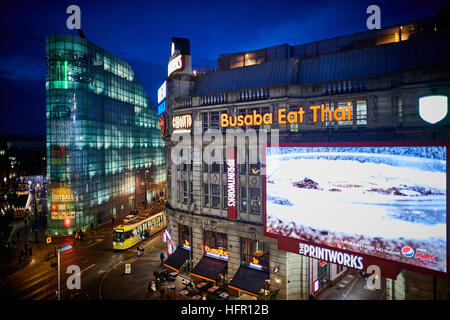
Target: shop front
252 276
213 265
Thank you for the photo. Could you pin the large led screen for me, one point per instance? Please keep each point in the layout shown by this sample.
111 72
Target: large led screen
384 201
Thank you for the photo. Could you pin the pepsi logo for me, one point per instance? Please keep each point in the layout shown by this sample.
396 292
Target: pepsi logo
408 251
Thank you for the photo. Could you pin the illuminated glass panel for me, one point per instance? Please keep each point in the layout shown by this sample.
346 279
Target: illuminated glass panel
101 130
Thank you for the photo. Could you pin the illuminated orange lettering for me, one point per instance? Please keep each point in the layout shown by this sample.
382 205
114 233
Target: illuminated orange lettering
233 124
281 115
349 113
224 120
292 117
248 120
240 121
315 108
342 116
267 118
257 116
300 114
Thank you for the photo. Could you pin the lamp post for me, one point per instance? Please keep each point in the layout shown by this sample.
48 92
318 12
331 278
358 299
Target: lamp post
59 250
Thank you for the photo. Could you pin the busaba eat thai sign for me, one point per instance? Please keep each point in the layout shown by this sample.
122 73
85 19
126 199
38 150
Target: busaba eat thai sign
319 113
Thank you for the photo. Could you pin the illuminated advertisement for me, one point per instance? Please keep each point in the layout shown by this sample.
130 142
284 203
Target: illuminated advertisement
351 202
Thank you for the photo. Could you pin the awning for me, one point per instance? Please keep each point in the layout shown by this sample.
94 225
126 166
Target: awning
248 280
176 259
209 268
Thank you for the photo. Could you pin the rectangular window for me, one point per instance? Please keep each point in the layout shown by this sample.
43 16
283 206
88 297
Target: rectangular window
255 200
263 111
215 195
242 160
205 122
206 194
243 199
329 106
191 192
293 127
215 166
185 235
224 160
345 105
400 109
215 240
215 120
256 252
178 191
361 112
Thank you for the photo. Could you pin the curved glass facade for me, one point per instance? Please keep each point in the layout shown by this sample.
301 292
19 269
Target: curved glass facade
102 135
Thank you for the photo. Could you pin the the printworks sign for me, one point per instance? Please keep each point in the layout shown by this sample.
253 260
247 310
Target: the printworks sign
319 113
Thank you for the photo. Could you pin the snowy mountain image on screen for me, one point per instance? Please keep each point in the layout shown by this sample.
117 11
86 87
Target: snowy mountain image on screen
385 197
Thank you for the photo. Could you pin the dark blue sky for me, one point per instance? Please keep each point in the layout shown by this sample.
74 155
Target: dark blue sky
140 32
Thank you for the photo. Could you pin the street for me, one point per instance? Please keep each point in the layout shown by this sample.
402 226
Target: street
95 258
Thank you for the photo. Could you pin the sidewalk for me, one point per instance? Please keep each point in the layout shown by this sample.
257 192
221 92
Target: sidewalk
9 259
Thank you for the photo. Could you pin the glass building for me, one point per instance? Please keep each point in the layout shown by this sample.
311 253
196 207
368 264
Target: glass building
103 141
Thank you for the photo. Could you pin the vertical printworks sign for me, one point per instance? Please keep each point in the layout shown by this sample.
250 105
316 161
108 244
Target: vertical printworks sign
231 183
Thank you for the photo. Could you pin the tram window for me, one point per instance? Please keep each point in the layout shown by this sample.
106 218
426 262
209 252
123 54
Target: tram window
118 236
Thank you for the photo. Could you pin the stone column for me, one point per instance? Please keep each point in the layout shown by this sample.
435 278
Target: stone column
197 237
234 254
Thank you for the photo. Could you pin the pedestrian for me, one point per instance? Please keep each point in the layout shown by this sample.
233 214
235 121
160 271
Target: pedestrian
161 256
138 251
142 248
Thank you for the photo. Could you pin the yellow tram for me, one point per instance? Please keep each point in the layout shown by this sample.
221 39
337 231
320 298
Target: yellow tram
137 228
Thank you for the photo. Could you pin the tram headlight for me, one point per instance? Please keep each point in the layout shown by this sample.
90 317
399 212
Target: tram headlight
121 244
114 243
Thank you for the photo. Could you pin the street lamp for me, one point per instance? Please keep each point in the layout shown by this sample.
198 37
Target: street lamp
59 250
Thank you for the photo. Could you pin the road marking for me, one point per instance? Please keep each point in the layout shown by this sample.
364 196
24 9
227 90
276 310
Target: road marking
37 275
103 279
35 282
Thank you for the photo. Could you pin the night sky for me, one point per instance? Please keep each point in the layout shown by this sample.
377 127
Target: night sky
139 32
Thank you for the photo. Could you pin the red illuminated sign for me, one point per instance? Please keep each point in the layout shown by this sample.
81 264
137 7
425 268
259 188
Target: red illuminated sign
231 183
162 124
